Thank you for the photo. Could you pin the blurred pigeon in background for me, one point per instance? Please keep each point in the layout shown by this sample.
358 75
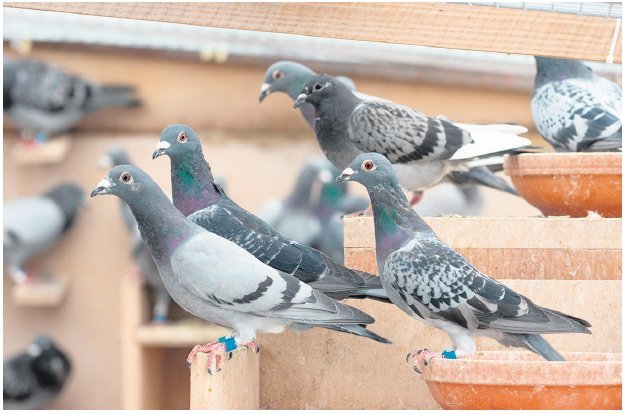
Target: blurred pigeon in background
290 78
432 282
196 195
574 109
294 217
333 203
141 256
42 99
33 379
423 149
218 281
33 225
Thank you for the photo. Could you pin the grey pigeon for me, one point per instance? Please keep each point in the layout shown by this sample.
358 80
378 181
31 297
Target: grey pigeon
574 109
141 256
33 225
218 281
43 100
423 149
34 378
196 195
294 217
433 283
290 78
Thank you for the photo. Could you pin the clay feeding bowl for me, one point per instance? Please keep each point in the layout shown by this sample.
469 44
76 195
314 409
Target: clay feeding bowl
522 380
568 184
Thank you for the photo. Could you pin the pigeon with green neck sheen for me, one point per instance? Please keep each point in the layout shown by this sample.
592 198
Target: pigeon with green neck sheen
218 281
574 109
433 283
290 77
142 258
196 195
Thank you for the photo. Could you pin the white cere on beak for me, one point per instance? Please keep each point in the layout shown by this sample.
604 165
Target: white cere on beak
104 183
264 87
162 145
348 171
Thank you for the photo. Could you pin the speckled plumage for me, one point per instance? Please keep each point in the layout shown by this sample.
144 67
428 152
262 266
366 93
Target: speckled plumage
574 109
431 282
206 205
218 281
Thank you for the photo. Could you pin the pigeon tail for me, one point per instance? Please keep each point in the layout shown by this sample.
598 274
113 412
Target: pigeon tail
491 139
484 176
113 96
535 343
359 330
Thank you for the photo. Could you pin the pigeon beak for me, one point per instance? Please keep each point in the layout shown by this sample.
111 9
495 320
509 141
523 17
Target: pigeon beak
102 187
264 91
300 100
345 176
162 146
105 162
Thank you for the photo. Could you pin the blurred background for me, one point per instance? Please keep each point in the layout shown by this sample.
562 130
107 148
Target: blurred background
209 79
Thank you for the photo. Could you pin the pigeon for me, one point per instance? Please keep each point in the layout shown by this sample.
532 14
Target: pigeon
34 379
294 217
33 225
433 283
43 100
219 281
423 149
334 203
197 196
574 109
290 78
141 256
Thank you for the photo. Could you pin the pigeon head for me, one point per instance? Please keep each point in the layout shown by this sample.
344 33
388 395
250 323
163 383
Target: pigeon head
320 88
126 181
177 141
50 365
114 156
69 197
553 69
284 76
369 169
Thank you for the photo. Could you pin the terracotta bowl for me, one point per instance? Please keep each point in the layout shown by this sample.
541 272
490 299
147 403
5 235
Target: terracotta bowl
522 380
568 184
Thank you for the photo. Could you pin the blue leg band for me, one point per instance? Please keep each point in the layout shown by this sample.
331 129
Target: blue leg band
230 343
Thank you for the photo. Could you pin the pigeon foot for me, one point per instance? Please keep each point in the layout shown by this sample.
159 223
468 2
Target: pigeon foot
416 198
215 349
424 356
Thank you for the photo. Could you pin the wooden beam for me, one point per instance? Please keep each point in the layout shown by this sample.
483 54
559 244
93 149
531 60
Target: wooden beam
180 334
428 24
236 386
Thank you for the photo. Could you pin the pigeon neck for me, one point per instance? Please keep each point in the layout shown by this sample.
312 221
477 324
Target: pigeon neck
162 227
550 69
396 222
193 186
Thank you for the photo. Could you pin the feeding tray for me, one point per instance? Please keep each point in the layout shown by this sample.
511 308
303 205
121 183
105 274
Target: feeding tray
568 184
522 380
37 153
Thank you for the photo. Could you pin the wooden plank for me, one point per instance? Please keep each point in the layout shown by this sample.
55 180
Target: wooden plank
530 264
182 334
41 293
330 370
236 386
505 232
428 24
50 152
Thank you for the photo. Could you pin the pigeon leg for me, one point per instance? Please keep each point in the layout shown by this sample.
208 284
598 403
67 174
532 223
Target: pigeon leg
416 198
215 349
422 357
252 345
160 310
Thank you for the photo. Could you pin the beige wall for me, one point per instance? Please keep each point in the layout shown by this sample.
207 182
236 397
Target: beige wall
211 98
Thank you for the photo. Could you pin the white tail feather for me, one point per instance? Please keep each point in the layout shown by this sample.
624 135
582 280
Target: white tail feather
491 139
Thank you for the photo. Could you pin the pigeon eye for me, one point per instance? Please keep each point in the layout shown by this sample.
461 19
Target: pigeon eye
182 137
126 178
368 166
318 87
277 75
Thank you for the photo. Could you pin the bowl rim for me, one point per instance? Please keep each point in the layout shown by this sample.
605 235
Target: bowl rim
563 163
